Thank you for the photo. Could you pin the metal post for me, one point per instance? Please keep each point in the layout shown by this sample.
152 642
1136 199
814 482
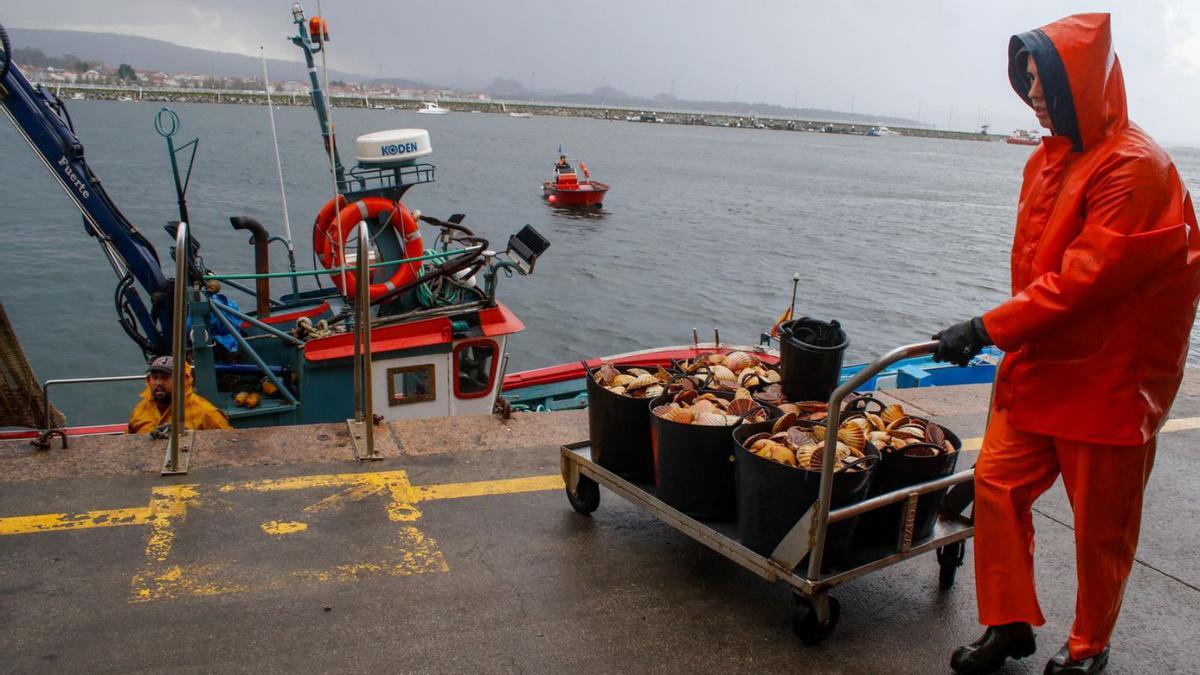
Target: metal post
820 520
177 457
362 427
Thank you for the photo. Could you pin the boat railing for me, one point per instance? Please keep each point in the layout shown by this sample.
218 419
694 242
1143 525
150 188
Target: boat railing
362 427
44 435
391 182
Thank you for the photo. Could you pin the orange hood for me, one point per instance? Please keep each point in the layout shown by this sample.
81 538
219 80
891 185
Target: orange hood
1081 77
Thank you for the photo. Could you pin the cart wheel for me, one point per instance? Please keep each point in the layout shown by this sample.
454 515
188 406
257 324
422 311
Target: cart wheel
586 497
950 558
804 620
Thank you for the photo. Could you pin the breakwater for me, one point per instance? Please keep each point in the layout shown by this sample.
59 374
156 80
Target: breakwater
618 113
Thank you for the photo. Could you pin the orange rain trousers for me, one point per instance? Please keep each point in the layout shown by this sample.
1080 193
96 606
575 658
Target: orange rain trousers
1104 484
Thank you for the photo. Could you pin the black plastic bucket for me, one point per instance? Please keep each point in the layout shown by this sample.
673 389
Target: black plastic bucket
771 497
619 433
897 470
694 464
810 358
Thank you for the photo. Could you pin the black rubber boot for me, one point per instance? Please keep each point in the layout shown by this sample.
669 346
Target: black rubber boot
1063 664
989 652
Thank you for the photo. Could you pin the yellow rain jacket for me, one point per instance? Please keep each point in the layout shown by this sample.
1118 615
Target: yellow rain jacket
198 413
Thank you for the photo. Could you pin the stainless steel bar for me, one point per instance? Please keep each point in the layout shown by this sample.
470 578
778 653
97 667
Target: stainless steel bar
171 463
702 533
833 422
364 325
945 533
900 495
78 380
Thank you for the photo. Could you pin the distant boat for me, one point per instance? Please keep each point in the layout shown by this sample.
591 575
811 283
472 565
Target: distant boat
126 98
521 115
1024 137
432 109
77 96
881 131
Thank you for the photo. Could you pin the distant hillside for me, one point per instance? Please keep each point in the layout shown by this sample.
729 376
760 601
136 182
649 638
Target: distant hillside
146 54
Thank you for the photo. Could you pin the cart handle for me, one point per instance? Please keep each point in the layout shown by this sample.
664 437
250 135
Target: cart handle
832 422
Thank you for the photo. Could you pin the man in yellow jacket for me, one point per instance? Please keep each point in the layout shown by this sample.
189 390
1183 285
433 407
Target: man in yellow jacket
154 410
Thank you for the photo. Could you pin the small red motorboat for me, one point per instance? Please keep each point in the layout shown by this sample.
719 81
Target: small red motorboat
568 191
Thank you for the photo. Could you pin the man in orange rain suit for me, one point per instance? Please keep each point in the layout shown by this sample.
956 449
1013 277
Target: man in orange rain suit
1105 279
154 408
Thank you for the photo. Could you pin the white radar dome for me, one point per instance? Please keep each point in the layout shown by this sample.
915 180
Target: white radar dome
396 147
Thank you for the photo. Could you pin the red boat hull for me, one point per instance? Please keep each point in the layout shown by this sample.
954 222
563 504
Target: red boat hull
1022 141
587 193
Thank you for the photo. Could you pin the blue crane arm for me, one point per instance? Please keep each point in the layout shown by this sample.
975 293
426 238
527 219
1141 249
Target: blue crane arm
39 117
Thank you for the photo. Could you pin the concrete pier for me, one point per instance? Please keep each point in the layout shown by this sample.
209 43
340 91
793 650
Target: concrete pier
458 552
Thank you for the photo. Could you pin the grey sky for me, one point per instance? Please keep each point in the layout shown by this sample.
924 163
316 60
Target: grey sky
888 57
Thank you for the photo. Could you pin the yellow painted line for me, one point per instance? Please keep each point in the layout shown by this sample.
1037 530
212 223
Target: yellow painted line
52 522
170 501
484 488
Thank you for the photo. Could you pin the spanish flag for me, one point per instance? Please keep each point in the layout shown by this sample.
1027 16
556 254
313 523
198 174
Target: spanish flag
786 316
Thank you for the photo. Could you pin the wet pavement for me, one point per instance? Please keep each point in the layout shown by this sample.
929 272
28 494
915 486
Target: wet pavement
277 552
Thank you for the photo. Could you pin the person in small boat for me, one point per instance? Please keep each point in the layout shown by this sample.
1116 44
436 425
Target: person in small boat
563 166
1105 281
154 408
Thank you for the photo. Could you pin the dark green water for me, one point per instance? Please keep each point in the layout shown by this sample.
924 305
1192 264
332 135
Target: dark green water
704 227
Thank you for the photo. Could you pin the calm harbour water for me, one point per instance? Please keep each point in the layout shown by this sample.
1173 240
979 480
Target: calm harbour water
703 227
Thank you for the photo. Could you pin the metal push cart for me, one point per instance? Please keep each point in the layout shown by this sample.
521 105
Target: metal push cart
816 612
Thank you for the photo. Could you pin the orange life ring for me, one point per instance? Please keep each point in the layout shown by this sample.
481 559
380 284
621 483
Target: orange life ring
321 228
350 216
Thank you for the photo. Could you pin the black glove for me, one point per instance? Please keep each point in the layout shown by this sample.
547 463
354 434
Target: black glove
959 343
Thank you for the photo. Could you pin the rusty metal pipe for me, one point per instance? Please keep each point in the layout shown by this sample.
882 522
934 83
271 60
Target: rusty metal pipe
260 240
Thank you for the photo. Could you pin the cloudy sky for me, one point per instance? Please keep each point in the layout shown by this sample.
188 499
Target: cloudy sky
941 60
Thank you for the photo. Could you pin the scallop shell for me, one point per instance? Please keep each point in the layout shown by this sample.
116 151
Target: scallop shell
653 391
853 436
948 447
623 380
892 413
703 405
681 415
784 422
798 437
741 406
714 359
934 434
770 376
685 396
709 419
783 455
757 438
789 408
641 382
876 422
638 372
606 373
770 394
620 391
736 361
742 392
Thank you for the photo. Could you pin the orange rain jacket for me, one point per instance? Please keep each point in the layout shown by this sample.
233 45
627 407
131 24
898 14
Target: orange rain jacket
198 413
1105 259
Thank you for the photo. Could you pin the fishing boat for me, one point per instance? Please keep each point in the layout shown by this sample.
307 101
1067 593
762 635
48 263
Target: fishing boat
1024 137
881 131
520 115
432 108
565 190
437 329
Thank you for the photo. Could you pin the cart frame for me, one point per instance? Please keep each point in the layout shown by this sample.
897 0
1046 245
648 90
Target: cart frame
818 612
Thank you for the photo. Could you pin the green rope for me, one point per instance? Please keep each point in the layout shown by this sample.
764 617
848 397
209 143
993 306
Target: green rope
434 255
425 294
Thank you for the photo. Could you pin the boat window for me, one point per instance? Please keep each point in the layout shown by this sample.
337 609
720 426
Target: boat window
474 368
411 384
